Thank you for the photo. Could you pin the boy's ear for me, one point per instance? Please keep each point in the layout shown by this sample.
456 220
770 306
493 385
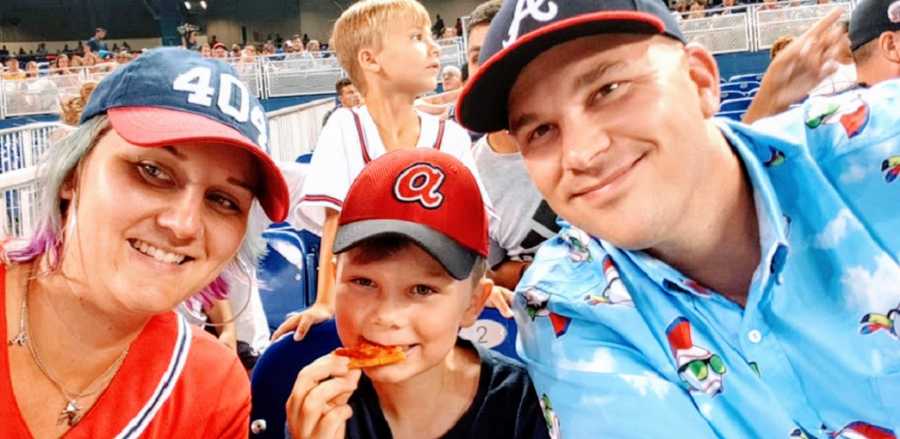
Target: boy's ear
368 60
480 296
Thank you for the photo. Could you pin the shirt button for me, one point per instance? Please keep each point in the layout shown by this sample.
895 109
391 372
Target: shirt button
754 336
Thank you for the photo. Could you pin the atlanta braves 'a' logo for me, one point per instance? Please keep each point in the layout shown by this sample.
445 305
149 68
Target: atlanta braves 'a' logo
420 183
529 8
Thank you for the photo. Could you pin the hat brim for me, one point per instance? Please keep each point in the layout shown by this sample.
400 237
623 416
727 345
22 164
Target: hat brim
156 126
482 105
456 259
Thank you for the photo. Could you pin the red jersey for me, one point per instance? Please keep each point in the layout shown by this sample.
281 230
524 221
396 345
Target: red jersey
176 381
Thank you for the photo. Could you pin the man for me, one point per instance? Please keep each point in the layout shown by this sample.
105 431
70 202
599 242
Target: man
875 40
219 50
96 42
722 282
525 220
348 97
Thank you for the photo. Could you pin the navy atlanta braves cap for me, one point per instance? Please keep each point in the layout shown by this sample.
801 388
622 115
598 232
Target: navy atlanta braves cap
523 29
871 18
422 194
169 96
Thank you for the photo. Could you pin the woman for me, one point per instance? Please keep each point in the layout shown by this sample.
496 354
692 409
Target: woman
146 203
32 70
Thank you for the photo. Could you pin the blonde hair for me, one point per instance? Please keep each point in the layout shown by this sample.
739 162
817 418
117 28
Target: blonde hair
71 107
362 25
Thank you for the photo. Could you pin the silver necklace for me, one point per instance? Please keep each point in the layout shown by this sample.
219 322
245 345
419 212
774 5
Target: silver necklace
71 413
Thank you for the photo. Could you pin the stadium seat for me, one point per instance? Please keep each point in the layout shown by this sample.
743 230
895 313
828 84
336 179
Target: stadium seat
287 273
751 77
304 158
740 104
731 94
276 370
752 93
744 86
733 115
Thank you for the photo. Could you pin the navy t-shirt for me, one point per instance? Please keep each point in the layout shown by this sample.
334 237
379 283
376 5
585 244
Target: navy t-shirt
505 405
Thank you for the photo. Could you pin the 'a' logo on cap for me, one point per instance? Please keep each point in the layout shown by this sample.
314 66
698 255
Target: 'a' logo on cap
894 12
529 8
420 183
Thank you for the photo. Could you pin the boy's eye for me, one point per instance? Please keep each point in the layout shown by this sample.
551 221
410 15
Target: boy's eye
606 90
423 290
363 282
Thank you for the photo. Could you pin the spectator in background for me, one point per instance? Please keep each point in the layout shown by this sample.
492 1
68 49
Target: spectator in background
126 46
269 48
219 51
458 26
123 57
236 51
76 61
449 33
732 7
206 51
61 66
451 77
249 54
875 40
779 45
348 97
697 9
32 70
312 49
189 41
41 50
13 72
437 29
96 42
769 5
4 52
305 39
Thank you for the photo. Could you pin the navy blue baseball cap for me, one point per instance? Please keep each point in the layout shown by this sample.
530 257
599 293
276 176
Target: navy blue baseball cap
169 96
523 29
871 18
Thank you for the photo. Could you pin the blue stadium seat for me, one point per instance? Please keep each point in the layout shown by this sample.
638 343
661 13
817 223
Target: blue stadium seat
287 274
752 93
276 370
731 94
744 86
740 104
754 77
733 115
304 158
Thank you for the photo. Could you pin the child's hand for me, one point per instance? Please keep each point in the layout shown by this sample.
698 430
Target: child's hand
501 298
302 321
317 407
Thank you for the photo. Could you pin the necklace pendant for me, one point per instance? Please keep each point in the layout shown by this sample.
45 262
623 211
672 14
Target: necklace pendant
70 413
19 340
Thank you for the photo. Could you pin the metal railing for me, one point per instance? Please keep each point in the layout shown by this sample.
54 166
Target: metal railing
20 151
265 76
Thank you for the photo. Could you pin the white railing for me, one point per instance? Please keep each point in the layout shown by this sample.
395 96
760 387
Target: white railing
265 76
20 151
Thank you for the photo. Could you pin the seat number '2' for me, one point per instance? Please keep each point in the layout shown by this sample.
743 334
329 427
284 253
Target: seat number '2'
197 82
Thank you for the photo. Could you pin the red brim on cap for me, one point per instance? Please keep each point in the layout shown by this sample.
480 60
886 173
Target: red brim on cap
482 105
156 126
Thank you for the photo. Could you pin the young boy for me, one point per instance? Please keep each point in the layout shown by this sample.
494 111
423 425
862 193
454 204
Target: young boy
386 48
411 246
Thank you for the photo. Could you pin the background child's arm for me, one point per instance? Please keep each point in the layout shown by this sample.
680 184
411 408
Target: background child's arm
323 309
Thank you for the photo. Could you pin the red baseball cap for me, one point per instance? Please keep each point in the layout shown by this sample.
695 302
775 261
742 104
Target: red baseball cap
424 195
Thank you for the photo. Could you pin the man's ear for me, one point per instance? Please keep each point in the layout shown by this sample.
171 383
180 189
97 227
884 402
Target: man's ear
704 73
479 297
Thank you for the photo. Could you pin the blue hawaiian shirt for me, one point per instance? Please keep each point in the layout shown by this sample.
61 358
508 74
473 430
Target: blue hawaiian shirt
620 344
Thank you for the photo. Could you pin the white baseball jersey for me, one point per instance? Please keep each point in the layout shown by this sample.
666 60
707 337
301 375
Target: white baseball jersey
349 141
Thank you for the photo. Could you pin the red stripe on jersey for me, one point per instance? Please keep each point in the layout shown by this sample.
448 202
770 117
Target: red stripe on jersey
440 135
362 137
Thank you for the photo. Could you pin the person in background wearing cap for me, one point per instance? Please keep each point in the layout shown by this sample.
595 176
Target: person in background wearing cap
717 280
875 40
150 200
219 51
96 43
411 245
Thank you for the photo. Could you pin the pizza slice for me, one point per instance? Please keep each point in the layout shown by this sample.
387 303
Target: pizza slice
370 355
